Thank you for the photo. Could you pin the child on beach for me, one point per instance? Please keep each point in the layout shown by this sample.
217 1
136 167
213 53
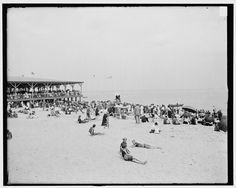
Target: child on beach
91 131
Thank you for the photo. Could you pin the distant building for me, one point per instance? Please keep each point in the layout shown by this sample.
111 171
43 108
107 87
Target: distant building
35 89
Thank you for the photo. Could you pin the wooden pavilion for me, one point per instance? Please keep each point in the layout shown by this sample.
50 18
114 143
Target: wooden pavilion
35 89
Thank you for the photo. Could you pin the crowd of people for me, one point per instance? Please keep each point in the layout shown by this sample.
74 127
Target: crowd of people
141 113
116 109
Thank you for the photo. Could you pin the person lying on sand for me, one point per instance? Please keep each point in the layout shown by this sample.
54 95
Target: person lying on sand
136 144
125 153
91 131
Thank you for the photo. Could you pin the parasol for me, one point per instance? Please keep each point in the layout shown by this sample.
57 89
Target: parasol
189 109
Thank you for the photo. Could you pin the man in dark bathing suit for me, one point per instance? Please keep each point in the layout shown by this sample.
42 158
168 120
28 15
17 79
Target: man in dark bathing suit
125 153
136 144
91 131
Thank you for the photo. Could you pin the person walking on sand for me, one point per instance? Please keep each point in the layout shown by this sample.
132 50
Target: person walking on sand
88 113
137 113
91 131
125 153
136 144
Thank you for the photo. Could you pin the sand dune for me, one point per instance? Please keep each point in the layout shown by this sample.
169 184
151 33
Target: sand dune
59 150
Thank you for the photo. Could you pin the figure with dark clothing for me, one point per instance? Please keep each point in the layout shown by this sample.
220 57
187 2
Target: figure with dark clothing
92 133
144 119
88 113
96 111
82 121
105 120
169 114
193 121
166 120
123 145
9 134
125 153
219 114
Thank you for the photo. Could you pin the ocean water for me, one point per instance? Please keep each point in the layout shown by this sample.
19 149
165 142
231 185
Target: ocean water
206 99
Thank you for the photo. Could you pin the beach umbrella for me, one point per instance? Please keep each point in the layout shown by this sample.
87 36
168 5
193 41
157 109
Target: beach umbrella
189 109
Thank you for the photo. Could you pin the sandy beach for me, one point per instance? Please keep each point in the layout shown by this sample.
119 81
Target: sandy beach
59 150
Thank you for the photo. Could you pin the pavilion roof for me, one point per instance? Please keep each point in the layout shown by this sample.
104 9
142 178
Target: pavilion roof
23 81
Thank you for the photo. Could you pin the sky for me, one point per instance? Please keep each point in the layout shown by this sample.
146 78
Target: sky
120 48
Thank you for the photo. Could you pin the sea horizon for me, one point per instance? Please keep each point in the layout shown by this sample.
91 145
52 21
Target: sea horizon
198 98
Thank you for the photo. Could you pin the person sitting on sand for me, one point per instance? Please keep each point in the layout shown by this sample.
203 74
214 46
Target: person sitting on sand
123 146
175 120
186 120
166 120
91 131
144 119
82 121
125 153
136 144
193 121
105 120
155 129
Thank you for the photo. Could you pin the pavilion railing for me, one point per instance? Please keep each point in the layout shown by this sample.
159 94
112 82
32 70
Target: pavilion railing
18 96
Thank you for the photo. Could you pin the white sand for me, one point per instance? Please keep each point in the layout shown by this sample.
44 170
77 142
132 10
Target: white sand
59 150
